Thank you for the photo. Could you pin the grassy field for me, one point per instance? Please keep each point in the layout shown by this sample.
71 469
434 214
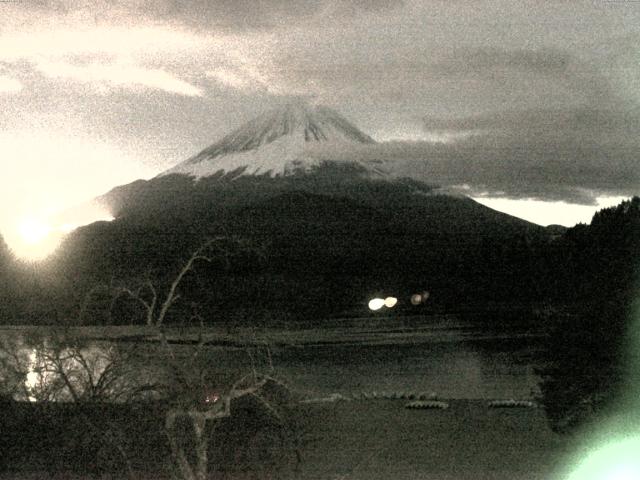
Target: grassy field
380 439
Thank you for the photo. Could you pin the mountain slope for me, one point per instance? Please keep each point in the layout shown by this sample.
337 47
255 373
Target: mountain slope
330 233
327 242
278 142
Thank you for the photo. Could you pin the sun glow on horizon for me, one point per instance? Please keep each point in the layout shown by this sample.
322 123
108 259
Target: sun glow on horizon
33 230
32 238
35 238
45 198
547 212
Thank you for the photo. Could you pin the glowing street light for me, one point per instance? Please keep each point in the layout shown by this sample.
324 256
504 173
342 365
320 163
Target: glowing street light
390 302
418 298
376 304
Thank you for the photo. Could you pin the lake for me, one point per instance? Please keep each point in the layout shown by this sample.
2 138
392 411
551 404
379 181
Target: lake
441 355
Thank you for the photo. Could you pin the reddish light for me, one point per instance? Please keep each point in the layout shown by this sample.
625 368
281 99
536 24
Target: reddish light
212 398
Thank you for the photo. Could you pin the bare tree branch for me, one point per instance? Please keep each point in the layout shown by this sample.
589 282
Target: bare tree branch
172 296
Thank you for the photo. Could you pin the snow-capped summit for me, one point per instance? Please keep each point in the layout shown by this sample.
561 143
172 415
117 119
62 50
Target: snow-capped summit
280 142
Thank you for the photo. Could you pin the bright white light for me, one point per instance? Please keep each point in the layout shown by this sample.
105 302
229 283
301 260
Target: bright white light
376 304
33 230
35 238
623 473
68 227
38 187
616 461
33 377
390 302
9 85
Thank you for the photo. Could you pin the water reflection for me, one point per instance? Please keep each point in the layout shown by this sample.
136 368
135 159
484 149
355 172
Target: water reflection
49 369
450 370
443 362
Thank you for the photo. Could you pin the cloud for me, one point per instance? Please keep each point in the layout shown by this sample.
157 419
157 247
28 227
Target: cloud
463 80
55 40
586 122
572 155
480 60
106 75
335 50
532 105
106 57
244 77
259 77
9 85
207 15
523 65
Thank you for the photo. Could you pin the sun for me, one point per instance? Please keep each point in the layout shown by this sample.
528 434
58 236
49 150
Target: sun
33 231
33 238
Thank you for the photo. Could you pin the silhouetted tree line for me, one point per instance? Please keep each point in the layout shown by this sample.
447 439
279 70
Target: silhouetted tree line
5 279
595 287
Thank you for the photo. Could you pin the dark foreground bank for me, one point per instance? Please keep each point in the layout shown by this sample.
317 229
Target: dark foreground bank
357 439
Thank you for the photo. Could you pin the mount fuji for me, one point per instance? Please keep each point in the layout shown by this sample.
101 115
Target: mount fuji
283 141
333 229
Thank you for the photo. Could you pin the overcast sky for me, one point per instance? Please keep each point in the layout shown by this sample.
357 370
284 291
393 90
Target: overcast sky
501 99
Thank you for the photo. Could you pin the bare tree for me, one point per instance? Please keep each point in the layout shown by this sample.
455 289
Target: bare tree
64 368
147 295
197 392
